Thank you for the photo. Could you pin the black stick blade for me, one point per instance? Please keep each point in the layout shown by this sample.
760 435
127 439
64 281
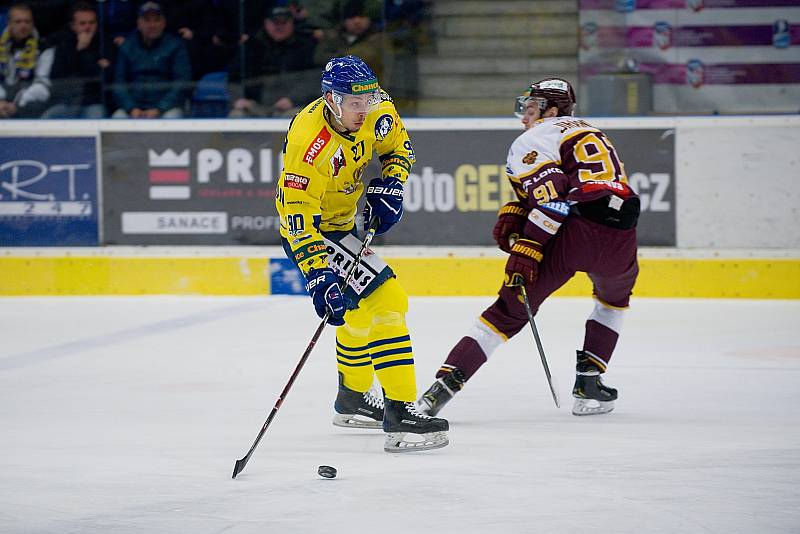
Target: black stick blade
239 466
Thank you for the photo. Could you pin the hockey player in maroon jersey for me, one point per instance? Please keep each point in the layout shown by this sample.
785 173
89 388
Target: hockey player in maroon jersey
575 212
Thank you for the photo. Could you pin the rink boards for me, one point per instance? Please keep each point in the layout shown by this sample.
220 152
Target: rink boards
437 272
720 198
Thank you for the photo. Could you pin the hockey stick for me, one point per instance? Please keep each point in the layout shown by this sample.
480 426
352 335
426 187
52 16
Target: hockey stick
527 303
239 466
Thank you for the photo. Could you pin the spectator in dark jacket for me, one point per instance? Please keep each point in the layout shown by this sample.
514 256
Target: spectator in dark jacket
209 29
279 72
118 18
78 68
356 34
153 73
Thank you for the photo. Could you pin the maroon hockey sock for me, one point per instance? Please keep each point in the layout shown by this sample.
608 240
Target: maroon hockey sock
599 342
467 355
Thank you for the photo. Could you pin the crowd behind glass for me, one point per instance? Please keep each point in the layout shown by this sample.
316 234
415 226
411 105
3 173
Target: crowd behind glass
196 58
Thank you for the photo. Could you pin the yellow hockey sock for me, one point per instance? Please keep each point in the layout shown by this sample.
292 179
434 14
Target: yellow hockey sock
352 351
390 343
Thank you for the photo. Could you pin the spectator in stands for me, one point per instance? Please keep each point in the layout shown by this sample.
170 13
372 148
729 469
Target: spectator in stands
304 22
24 66
153 73
51 16
356 35
406 33
333 10
79 68
209 29
278 67
118 19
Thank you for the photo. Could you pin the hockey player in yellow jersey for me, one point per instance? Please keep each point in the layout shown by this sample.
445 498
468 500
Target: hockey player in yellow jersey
327 149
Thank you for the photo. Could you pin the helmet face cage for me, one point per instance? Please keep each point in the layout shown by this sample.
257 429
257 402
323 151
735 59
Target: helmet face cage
525 99
552 92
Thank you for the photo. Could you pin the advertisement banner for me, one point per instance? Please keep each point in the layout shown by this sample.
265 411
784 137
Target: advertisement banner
458 185
218 188
48 191
720 56
191 188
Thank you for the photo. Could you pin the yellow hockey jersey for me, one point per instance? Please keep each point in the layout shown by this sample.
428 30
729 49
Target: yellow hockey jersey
321 180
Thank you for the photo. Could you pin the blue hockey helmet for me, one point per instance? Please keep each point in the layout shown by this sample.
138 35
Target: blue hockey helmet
348 75
352 84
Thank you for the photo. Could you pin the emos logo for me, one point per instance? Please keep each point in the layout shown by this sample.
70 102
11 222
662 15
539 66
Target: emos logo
317 145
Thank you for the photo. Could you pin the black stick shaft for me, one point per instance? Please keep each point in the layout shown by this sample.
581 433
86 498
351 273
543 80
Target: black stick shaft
241 463
539 344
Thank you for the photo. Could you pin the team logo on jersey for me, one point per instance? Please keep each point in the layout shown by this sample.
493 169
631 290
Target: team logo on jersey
530 157
383 126
359 172
294 181
317 145
350 188
338 161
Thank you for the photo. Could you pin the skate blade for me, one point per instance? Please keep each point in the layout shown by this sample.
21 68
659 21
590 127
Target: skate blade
397 442
355 421
591 407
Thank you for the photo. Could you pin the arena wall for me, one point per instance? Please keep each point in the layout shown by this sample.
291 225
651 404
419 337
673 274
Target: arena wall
725 204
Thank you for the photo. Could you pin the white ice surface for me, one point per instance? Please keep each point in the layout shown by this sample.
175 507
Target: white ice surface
126 415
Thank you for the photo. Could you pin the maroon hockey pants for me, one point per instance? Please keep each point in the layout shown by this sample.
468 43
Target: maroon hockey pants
607 255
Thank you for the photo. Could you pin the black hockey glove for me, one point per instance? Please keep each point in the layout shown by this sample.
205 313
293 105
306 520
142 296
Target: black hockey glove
384 201
323 286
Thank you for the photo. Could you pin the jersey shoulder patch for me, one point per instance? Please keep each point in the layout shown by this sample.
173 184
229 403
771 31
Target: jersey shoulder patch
383 126
530 151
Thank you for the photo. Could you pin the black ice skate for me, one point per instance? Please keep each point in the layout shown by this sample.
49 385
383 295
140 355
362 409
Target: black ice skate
592 397
357 410
441 391
408 429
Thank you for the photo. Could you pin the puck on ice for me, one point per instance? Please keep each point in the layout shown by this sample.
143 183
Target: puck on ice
326 471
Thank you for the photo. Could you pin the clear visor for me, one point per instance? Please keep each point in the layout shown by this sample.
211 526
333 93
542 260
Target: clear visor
524 101
357 103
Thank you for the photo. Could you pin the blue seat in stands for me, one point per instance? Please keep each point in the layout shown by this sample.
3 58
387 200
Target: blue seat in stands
210 98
